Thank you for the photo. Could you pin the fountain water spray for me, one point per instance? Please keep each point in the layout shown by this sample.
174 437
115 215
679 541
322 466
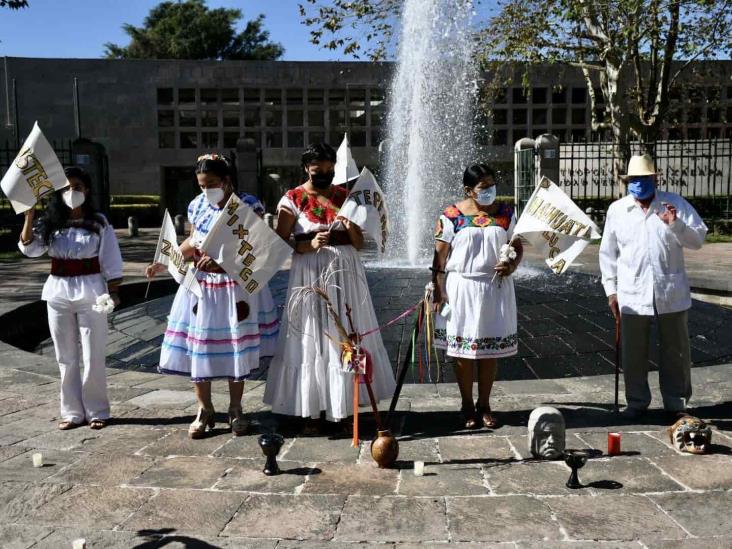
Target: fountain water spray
430 122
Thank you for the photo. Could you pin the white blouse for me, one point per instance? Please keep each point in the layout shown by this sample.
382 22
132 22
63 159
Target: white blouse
474 245
642 258
78 243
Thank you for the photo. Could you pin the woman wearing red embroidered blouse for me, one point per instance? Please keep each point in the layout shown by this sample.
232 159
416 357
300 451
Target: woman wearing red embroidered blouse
477 324
305 376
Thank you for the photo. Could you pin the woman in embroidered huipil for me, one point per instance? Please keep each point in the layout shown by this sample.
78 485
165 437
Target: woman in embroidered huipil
479 323
225 333
305 376
86 263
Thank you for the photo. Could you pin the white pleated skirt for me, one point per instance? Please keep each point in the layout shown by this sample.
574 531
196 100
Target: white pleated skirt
482 319
205 338
305 376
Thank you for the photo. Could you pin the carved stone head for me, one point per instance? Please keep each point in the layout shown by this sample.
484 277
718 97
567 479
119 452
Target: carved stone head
546 433
690 434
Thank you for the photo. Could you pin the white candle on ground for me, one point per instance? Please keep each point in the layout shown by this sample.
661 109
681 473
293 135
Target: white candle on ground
37 460
419 468
79 544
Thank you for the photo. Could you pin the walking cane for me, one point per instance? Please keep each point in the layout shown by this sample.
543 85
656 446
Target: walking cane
617 361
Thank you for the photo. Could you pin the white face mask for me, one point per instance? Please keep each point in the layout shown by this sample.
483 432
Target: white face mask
486 197
214 195
73 199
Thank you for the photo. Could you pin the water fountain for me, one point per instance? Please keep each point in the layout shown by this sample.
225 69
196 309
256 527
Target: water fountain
430 122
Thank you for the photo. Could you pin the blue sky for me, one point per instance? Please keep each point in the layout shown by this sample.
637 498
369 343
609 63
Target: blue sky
80 28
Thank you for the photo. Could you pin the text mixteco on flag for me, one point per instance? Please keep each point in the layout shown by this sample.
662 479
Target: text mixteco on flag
556 226
366 207
244 246
34 173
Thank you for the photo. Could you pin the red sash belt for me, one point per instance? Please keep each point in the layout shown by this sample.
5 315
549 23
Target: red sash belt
337 238
75 267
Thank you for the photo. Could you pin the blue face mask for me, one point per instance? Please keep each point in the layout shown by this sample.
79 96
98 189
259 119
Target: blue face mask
486 197
641 187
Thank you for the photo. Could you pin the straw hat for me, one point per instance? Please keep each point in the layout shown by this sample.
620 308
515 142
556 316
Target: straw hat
641 165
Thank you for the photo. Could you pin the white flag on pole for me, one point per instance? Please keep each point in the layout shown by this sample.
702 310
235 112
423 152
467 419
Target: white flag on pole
366 207
244 246
555 225
168 253
345 168
35 172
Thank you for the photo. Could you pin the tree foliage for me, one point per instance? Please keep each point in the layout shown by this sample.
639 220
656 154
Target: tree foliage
633 51
14 4
190 30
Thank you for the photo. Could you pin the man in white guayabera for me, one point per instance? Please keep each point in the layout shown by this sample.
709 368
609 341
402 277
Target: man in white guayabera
643 273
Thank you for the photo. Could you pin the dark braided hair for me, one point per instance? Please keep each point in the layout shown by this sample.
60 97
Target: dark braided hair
56 215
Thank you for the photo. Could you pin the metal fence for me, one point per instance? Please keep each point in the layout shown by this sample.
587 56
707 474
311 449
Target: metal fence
524 177
692 168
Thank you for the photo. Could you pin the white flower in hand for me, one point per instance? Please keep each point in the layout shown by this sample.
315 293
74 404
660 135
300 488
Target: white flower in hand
104 304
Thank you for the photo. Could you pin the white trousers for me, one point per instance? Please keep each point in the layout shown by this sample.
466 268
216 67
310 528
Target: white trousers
83 397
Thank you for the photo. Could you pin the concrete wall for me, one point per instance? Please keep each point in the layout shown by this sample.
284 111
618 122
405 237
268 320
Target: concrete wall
118 101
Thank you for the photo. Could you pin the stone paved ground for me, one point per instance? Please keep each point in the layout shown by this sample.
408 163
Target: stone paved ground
142 483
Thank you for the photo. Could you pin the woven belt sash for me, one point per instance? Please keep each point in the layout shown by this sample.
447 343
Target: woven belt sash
75 267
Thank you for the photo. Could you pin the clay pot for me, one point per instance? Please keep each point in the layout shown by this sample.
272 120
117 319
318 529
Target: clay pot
384 449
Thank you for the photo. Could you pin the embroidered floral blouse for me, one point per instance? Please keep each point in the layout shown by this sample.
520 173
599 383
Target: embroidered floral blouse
311 214
475 240
201 213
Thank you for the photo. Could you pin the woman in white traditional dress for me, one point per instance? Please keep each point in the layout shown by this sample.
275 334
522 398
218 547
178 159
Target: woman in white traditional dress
225 333
86 263
305 376
480 323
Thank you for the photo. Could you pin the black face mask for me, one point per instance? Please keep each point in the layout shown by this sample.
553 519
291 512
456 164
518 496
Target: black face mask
322 180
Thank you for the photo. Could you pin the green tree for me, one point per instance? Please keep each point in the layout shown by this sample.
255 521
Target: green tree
14 4
190 30
633 52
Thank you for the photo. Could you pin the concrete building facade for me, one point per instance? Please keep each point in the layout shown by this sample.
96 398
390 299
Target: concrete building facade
154 117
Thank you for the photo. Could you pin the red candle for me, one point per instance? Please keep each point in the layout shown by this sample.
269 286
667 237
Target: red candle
613 444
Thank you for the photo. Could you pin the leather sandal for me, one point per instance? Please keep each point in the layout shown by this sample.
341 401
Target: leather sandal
238 422
486 417
205 418
468 413
67 424
97 424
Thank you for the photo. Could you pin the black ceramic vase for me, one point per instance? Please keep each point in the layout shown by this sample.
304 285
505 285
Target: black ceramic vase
576 459
270 443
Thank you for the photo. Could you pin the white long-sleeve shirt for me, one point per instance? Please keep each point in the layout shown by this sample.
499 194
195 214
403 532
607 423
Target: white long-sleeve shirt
78 243
642 258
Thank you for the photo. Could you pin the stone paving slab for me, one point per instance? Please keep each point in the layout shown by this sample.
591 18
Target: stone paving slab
456 480
519 518
20 468
352 479
631 518
699 514
393 519
101 507
183 472
246 476
190 512
289 517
